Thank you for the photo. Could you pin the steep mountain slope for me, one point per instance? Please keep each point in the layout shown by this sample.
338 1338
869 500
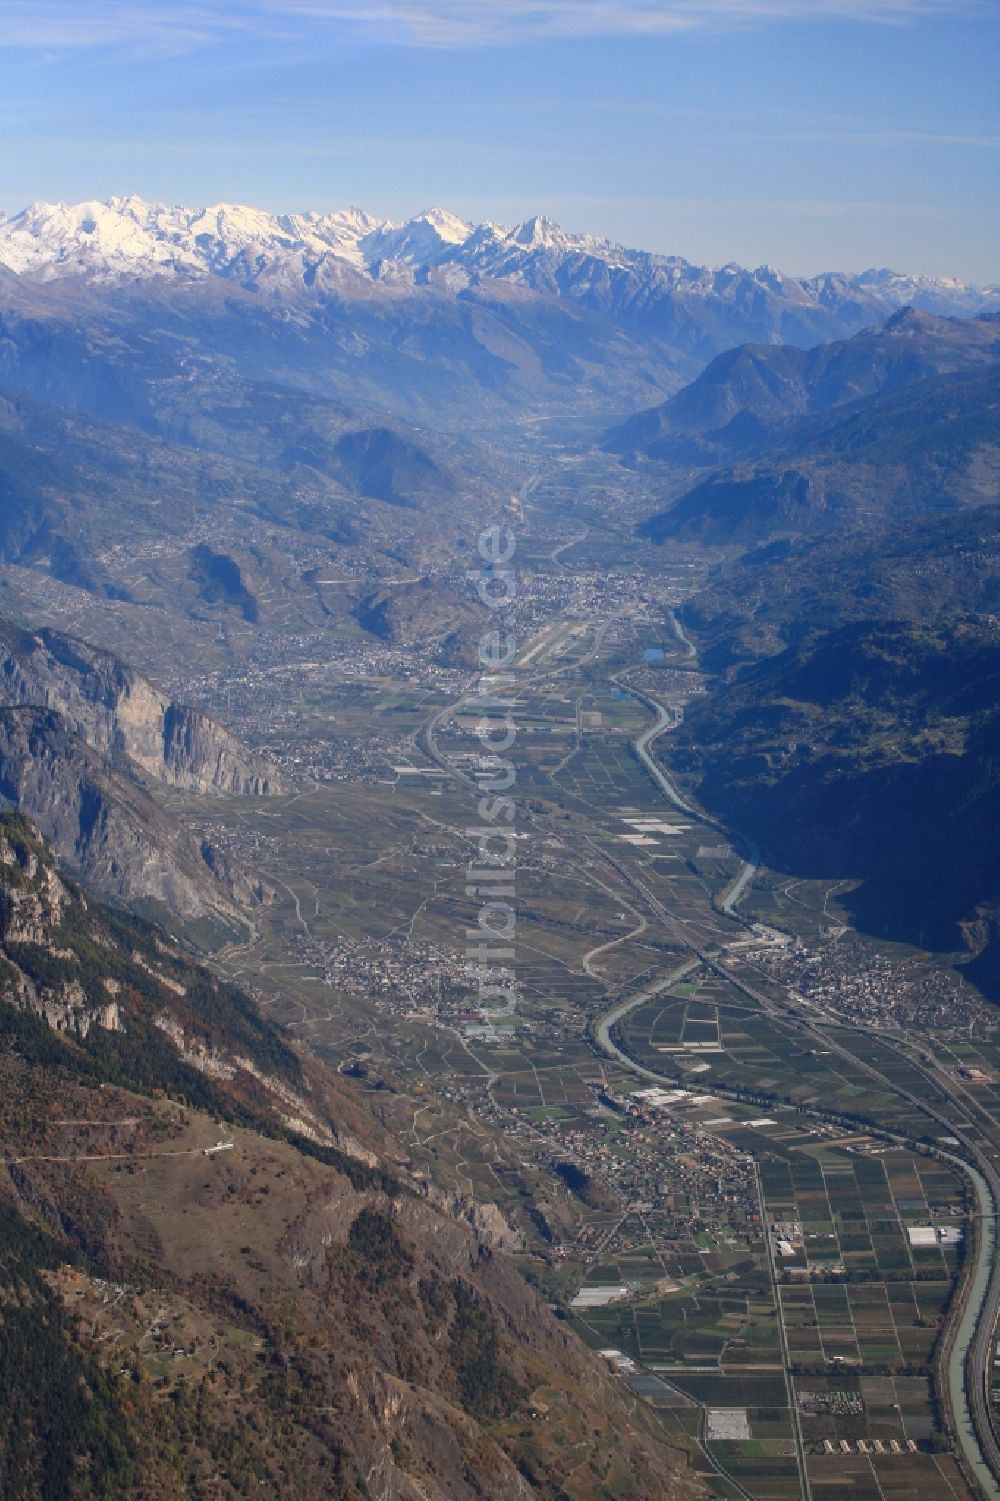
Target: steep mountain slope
870 753
107 829
286 448
850 727
379 463
219 1278
933 446
123 717
82 735
746 398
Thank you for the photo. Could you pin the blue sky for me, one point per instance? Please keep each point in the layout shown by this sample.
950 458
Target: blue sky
811 134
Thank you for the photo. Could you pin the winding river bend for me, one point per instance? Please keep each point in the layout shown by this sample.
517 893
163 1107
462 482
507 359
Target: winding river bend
968 1365
978 1314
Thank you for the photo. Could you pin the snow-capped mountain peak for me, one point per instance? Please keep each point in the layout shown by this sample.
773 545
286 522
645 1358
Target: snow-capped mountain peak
54 238
303 253
423 240
447 226
542 233
131 236
538 230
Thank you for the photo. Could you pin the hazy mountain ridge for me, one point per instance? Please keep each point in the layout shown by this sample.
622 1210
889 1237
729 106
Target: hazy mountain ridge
770 597
299 442
747 397
930 446
438 319
225 520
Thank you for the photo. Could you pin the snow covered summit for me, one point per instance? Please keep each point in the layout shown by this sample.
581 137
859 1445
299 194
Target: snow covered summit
128 236
305 253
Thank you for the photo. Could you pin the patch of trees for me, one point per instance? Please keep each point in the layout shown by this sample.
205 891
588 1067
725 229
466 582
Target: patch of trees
378 1255
359 1174
485 1386
63 1435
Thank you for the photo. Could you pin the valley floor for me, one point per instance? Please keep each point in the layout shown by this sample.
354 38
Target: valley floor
733 1138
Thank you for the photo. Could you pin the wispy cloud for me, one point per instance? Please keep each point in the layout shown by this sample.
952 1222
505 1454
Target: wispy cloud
175 26
51 27
456 23
888 138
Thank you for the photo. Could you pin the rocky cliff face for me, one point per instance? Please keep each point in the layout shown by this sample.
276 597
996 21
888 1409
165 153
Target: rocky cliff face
122 716
102 824
33 901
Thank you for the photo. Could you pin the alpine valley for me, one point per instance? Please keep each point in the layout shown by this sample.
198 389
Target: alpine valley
297 513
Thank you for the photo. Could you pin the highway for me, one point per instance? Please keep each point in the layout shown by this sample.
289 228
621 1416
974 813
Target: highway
969 1364
969 1342
666 720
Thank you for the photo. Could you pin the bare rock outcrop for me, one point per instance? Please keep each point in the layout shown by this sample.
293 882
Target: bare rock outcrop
102 824
123 717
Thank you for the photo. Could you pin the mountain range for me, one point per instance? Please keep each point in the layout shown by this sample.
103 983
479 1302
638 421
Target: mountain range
435 319
748 397
849 620
900 420
225 518
933 446
128 237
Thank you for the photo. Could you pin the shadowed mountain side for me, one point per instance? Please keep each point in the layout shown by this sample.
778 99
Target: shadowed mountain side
379 463
870 753
747 398
769 598
420 613
219 581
